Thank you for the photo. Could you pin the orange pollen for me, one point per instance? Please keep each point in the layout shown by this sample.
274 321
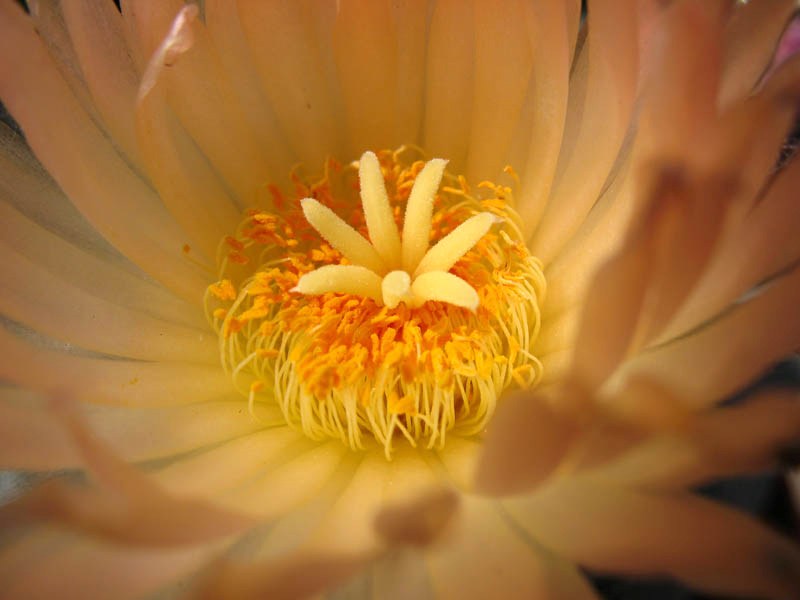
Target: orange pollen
346 365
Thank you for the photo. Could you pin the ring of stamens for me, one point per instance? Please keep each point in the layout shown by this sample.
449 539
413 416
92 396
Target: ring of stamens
407 317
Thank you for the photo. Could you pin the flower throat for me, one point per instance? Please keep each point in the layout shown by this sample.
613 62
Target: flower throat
385 301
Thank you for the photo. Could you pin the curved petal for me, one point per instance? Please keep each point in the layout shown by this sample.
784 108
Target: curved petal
730 441
504 68
30 437
139 434
292 483
297 85
449 75
366 49
45 302
200 95
525 442
84 162
188 184
708 364
106 61
106 380
752 35
222 468
611 528
602 89
48 564
487 557
227 38
119 502
41 225
547 102
760 244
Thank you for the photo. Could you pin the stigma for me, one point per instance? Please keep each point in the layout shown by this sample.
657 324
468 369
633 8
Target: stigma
395 267
385 303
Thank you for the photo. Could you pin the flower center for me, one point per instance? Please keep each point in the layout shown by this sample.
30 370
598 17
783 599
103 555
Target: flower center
385 301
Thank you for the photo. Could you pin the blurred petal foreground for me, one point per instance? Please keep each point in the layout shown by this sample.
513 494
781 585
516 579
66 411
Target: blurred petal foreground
372 299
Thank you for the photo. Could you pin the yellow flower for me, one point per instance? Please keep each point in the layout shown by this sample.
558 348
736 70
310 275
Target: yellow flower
480 336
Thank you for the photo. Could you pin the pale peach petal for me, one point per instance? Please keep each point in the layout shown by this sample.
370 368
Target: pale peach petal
503 68
619 288
411 22
78 257
460 460
49 21
291 483
49 564
680 96
418 517
760 244
351 525
730 441
307 571
401 574
525 442
752 34
558 332
107 381
147 433
83 161
189 186
347 528
30 437
574 9
297 85
366 49
119 502
746 136
486 557
147 22
601 234
549 31
106 61
220 468
450 81
555 366
227 38
302 575
199 92
611 528
715 360
602 89
685 242
45 302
